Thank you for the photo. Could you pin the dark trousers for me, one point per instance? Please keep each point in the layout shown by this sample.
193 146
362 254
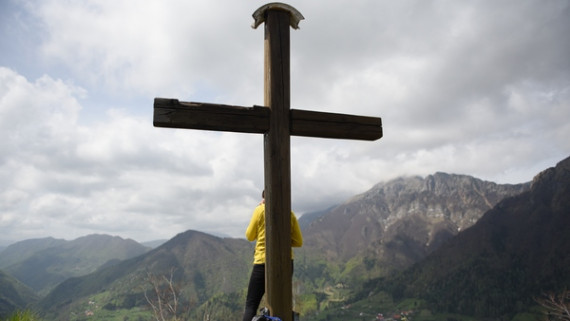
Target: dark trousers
255 290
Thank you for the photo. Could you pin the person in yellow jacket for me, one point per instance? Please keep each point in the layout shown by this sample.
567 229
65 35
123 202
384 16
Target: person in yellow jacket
256 232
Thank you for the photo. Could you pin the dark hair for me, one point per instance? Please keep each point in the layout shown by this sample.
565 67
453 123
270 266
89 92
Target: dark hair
263 194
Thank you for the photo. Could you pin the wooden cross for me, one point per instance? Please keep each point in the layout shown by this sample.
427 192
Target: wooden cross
277 122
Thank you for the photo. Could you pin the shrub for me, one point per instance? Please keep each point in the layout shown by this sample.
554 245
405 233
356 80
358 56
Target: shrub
26 315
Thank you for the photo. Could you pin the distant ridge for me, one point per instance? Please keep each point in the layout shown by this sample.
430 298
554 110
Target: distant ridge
306 219
23 250
154 244
41 264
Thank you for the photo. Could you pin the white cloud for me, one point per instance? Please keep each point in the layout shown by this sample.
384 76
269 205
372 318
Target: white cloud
117 175
478 88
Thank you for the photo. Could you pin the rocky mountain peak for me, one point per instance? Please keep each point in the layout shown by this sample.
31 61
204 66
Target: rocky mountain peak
410 215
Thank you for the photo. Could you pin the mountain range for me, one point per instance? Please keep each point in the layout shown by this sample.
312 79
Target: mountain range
499 267
401 239
201 265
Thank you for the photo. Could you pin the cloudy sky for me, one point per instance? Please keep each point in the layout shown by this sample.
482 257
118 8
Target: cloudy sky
469 87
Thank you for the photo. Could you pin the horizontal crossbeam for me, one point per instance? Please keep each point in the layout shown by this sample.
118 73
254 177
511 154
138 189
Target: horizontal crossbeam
172 113
331 125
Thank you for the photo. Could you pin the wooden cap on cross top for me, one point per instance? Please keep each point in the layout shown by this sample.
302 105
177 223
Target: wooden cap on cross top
294 15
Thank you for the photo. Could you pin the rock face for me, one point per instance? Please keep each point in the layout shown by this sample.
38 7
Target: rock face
399 222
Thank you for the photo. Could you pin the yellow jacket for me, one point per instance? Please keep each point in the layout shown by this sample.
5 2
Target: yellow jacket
256 231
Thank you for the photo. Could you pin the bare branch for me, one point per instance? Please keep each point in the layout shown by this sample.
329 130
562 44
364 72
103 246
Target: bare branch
165 302
557 306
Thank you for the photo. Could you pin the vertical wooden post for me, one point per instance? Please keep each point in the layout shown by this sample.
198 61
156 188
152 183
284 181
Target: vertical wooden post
277 159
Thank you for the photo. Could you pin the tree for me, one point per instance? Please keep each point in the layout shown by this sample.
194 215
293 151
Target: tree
164 299
557 306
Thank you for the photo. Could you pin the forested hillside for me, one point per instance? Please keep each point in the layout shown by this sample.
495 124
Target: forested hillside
14 295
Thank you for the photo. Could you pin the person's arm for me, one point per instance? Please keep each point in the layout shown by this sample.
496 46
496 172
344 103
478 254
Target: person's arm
296 235
251 231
